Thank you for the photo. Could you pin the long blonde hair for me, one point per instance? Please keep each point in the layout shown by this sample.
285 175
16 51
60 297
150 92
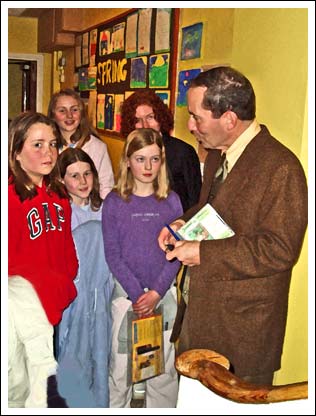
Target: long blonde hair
136 140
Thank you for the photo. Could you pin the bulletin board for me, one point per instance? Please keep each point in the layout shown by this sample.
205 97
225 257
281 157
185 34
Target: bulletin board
135 50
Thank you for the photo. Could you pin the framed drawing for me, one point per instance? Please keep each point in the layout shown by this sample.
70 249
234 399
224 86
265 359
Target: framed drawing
191 41
183 85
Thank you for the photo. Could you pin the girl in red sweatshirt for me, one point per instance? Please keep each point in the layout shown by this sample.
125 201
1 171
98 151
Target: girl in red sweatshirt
42 257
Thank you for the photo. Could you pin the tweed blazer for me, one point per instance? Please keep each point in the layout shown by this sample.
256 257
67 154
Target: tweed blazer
238 295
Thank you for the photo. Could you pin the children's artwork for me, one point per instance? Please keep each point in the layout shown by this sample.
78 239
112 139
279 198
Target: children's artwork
92 107
164 96
109 112
183 85
105 45
100 111
117 39
83 79
135 50
162 30
119 98
85 49
159 70
92 46
92 77
131 35
138 72
191 41
144 29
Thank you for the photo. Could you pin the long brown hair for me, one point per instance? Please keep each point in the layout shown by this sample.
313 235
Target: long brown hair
18 130
136 140
85 129
73 155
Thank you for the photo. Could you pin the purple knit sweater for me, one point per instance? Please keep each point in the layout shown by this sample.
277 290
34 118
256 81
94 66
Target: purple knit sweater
130 232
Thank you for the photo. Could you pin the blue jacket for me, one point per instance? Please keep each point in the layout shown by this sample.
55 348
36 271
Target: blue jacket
85 328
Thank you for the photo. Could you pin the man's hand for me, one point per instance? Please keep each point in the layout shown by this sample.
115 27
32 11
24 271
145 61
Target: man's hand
165 236
188 252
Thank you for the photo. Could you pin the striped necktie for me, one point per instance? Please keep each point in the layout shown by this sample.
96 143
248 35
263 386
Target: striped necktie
219 177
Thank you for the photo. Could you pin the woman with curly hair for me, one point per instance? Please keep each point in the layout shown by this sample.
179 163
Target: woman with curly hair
145 109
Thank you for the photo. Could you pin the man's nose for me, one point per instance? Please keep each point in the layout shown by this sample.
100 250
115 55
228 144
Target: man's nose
191 125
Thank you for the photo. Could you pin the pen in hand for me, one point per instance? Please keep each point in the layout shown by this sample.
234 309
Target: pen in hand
172 232
170 247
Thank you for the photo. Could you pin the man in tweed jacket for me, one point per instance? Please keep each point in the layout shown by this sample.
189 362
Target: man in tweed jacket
239 286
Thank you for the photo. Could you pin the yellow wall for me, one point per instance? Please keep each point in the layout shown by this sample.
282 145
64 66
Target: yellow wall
14 86
270 47
20 30
216 48
296 339
22 38
274 57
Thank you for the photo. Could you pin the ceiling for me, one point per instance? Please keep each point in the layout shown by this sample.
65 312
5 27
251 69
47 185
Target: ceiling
25 12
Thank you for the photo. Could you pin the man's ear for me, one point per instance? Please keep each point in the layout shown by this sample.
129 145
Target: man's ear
229 120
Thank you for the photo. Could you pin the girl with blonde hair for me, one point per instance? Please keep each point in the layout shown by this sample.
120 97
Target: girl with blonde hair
132 216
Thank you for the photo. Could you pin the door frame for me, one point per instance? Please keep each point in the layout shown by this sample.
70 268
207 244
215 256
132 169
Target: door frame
39 74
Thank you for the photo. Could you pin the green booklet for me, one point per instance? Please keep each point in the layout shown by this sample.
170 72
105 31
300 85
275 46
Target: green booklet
206 224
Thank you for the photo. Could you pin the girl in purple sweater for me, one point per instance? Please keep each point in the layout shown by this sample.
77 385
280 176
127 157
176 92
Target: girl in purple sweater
132 217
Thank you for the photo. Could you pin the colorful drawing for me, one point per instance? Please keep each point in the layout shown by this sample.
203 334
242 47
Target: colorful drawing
165 96
191 41
183 85
162 34
85 49
118 37
100 111
92 46
109 111
83 79
92 77
119 98
143 33
131 36
159 70
138 72
105 46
